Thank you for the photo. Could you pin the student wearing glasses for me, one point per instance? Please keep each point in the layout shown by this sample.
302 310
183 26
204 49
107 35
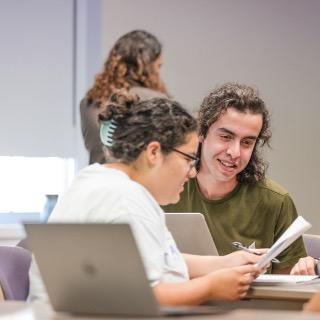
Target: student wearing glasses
152 146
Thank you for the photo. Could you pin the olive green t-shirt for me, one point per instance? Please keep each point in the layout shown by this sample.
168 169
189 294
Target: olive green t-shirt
258 212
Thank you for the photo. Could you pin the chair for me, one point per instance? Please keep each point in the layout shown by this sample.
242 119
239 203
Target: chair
312 244
14 272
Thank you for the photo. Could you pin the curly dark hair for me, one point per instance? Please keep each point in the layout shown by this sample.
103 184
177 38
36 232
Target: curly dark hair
244 99
130 63
139 123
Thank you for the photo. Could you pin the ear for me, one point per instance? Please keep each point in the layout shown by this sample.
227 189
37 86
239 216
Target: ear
153 153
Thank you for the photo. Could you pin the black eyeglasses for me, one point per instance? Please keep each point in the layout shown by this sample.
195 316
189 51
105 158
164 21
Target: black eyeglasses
195 160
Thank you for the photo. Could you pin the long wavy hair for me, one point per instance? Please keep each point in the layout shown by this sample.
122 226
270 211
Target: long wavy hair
244 99
130 63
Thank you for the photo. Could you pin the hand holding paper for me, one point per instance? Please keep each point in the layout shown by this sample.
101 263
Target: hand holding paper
296 229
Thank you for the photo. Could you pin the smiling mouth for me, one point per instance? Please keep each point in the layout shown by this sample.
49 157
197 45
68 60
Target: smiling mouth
227 164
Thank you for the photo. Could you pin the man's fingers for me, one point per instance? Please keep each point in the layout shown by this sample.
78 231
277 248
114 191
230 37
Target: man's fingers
248 268
247 279
261 250
304 266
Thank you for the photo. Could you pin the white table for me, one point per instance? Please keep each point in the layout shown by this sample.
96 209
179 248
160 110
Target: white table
37 311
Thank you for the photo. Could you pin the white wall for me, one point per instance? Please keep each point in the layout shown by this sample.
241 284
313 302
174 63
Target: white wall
274 45
50 51
37 87
88 59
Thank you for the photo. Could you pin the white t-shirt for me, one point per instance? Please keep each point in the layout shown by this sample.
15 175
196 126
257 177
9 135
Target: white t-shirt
101 194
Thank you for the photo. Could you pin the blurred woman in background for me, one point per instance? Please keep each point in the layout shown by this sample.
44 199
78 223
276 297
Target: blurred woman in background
133 65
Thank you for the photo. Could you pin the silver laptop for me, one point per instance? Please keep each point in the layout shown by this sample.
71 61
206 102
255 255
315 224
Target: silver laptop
96 269
191 233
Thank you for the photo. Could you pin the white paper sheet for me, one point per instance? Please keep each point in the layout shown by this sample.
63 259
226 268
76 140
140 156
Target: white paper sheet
282 279
295 230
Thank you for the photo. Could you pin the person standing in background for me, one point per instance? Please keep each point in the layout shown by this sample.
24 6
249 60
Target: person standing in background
134 65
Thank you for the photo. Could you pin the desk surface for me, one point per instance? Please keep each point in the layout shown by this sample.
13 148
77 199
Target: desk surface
34 311
299 292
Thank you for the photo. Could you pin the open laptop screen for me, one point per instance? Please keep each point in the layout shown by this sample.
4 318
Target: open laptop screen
191 233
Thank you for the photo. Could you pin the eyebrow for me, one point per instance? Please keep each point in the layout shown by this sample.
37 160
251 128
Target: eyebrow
224 130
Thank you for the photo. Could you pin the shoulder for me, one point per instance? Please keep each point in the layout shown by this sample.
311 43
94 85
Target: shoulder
89 109
99 177
131 199
117 183
84 103
98 188
272 187
267 192
146 93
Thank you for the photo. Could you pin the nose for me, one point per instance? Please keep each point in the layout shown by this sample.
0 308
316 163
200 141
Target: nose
234 149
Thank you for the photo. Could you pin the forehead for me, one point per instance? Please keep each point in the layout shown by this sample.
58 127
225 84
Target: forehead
243 124
191 143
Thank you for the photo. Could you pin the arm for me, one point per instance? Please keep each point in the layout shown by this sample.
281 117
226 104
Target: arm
313 304
304 266
227 284
224 284
201 265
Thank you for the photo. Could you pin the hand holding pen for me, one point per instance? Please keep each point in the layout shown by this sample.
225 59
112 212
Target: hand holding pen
239 245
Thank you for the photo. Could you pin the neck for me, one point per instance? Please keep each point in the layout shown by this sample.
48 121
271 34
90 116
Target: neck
212 189
134 173
122 167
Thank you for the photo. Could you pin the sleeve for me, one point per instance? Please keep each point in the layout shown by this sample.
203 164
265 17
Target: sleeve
290 256
150 246
148 230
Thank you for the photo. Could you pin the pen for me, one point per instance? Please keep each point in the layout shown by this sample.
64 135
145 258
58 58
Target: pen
239 245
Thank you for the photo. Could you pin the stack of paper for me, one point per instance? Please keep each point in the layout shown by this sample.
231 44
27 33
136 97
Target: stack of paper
283 279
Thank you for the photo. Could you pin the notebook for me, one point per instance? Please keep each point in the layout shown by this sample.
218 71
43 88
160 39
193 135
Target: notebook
97 269
191 233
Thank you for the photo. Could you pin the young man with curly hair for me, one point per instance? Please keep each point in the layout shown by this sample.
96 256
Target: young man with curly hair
239 203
